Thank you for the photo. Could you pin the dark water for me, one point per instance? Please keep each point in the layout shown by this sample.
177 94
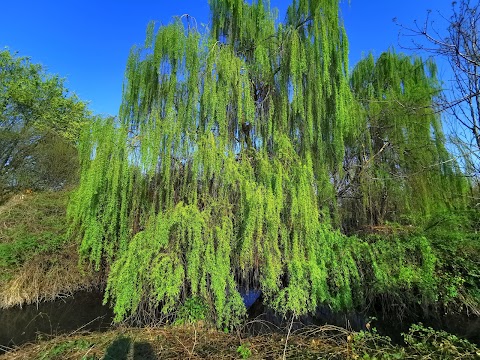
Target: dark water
391 325
85 312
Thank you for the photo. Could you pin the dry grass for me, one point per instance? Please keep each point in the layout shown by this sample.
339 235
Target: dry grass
188 342
46 277
200 342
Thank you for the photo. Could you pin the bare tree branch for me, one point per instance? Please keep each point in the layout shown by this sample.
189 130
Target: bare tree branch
459 45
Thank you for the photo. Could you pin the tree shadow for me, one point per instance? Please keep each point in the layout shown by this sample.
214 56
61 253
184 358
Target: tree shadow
121 349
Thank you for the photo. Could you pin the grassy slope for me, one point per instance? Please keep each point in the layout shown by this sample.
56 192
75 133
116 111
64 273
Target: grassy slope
37 261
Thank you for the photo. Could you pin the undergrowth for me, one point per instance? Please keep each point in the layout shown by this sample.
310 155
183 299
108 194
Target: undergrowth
455 238
420 342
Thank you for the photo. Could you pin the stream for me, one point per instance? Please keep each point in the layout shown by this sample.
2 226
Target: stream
82 312
85 312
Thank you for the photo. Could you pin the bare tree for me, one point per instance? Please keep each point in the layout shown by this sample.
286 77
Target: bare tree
458 43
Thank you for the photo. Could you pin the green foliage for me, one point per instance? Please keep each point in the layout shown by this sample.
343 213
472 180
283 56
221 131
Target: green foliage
420 342
244 351
15 253
192 311
425 341
226 163
404 265
58 351
39 124
454 238
369 345
399 166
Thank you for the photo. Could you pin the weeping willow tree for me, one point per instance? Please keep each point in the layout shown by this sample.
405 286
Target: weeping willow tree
217 176
400 169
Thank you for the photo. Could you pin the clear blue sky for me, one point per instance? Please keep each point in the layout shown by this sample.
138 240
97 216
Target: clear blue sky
87 42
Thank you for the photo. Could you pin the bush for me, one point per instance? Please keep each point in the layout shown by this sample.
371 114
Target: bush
420 342
192 311
425 341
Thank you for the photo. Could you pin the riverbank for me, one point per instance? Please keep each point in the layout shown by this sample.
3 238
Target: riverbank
47 277
201 342
38 262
